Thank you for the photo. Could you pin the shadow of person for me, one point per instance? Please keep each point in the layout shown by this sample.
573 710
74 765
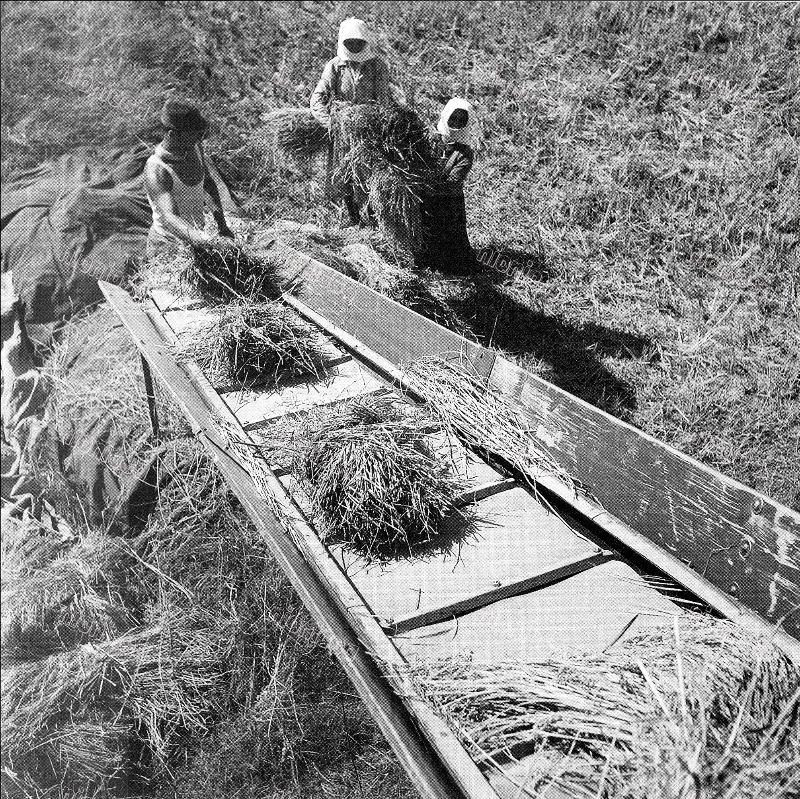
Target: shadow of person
573 352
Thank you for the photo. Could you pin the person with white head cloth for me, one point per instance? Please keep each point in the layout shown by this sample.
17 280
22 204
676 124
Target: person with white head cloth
445 212
455 134
355 75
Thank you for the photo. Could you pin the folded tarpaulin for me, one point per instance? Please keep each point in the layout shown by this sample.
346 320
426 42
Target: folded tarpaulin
71 222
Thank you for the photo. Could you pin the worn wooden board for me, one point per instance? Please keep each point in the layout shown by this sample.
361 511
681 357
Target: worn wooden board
742 541
514 538
585 613
345 381
465 465
396 332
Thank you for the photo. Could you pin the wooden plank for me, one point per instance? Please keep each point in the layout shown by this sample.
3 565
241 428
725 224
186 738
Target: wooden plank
514 539
478 475
332 601
396 332
453 610
423 768
585 613
253 427
480 492
741 541
346 381
166 301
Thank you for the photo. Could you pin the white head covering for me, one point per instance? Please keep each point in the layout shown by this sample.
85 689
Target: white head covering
455 134
353 28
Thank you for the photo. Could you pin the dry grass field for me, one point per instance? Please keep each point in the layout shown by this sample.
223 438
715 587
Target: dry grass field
638 174
635 204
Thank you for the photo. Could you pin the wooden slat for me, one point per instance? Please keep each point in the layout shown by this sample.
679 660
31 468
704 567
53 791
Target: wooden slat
527 585
396 332
486 490
514 539
346 381
251 427
203 414
741 541
587 612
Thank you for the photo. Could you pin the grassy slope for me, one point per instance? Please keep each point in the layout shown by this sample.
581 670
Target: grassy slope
648 151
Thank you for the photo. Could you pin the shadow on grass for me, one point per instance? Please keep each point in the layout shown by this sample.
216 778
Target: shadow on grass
573 352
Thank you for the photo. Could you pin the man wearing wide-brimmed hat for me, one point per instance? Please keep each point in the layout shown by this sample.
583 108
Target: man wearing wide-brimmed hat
177 181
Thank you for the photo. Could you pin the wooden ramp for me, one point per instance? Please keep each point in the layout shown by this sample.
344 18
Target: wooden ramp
736 548
519 557
522 584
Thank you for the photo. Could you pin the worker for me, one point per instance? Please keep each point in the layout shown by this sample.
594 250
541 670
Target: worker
355 76
445 212
177 180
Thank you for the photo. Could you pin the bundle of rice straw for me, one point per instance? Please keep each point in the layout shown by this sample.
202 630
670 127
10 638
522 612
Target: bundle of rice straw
94 753
701 710
386 159
373 482
73 600
253 344
162 679
482 417
25 546
222 270
296 132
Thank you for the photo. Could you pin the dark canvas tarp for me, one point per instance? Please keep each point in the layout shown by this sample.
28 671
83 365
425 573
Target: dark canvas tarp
70 222
65 224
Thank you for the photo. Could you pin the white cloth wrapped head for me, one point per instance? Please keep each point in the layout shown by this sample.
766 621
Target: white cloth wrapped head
456 134
353 28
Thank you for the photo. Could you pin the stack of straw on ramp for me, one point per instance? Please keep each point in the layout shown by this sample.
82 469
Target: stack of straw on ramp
702 711
222 270
253 344
385 160
482 417
374 484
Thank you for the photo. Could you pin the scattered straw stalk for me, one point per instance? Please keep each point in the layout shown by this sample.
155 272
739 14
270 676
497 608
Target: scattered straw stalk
705 710
480 416
164 677
70 601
